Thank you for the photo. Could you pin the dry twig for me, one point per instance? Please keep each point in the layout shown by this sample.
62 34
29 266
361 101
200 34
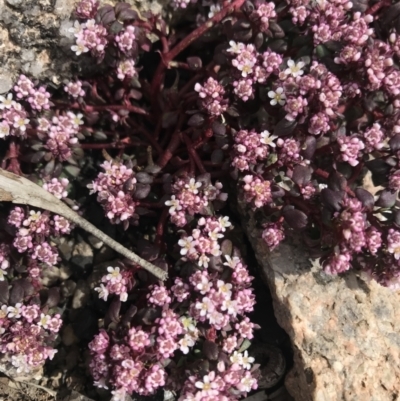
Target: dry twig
20 190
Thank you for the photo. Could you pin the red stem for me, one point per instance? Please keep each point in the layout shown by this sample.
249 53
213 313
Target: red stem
184 43
160 227
193 154
113 107
170 150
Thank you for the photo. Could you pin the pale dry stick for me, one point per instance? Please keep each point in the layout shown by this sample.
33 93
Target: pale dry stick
20 190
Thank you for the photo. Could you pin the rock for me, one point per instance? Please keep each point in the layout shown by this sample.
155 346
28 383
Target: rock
67 288
34 39
104 254
81 295
72 358
345 330
82 255
50 275
75 396
68 336
95 242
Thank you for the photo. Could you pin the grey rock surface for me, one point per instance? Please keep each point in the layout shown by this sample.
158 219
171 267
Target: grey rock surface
35 38
345 330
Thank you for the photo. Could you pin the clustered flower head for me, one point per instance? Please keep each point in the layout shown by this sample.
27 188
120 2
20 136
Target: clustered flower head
115 282
297 116
191 196
214 305
61 132
27 336
34 231
114 189
27 330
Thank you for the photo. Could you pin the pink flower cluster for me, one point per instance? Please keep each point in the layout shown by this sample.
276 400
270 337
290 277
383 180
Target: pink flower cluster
116 282
27 333
124 363
211 96
87 8
250 66
203 243
262 14
215 310
61 132
110 187
273 235
257 191
190 197
34 229
74 89
251 147
90 37
357 236
57 187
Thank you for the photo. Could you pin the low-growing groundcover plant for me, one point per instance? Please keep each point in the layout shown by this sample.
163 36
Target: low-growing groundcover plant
295 100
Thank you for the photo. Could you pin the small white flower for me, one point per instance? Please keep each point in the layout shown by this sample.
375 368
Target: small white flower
205 306
15 311
188 323
4 129
224 288
230 306
76 29
79 48
187 244
103 292
90 24
203 261
76 119
236 357
215 235
185 343
193 185
295 70
224 223
214 9
115 276
6 102
235 48
3 311
44 320
231 262
204 286
20 123
277 97
268 139
247 360
174 204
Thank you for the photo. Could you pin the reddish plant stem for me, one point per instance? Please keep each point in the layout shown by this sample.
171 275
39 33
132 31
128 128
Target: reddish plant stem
12 156
170 150
356 173
376 7
193 154
160 227
113 107
107 145
184 43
